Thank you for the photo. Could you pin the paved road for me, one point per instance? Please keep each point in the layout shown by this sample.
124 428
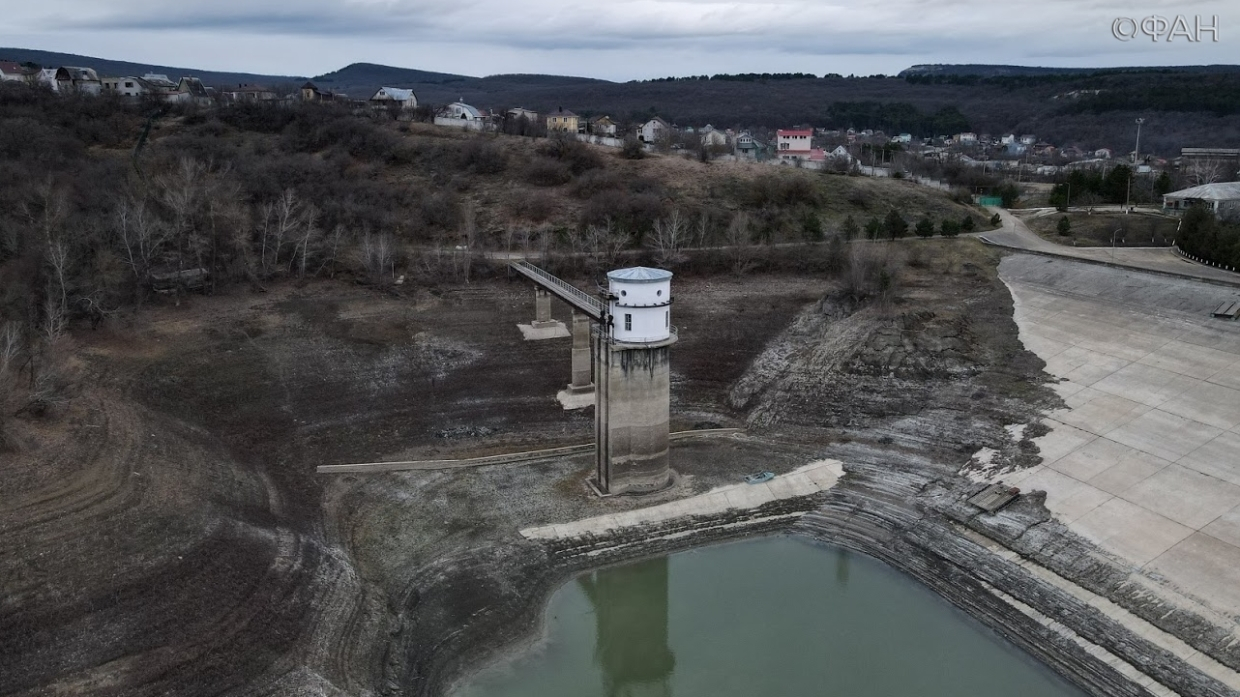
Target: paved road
1016 235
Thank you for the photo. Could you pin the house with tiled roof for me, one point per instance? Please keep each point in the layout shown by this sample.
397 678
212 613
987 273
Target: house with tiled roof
794 144
11 71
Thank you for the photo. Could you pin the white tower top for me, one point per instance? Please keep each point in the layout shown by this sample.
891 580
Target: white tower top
640 304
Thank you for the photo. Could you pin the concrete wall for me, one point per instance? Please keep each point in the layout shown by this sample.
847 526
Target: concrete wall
467 124
632 397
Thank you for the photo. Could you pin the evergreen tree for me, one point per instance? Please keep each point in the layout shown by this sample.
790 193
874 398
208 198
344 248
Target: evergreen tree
925 228
949 228
895 225
850 229
1065 226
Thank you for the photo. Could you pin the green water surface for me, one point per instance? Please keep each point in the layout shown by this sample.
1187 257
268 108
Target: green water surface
769 617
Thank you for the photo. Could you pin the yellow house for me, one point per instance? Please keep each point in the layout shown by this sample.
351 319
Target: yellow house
563 120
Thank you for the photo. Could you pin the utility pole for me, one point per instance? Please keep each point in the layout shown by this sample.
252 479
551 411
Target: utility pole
1136 158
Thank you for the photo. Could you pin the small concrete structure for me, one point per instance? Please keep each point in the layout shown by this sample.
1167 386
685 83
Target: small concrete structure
543 327
633 382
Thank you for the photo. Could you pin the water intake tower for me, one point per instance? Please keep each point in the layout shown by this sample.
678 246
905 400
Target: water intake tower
629 345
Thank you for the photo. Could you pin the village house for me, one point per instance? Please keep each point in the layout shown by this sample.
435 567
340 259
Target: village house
603 126
461 115
519 113
712 137
1222 199
965 138
311 93
747 146
71 80
1103 153
248 93
47 77
1028 139
11 72
563 120
190 90
654 130
841 153
129 87
795 144
394 96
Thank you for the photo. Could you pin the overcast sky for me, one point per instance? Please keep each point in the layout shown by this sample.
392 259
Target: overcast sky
618 39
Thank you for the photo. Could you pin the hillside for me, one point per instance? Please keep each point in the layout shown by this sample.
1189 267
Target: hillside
107 67
1183 106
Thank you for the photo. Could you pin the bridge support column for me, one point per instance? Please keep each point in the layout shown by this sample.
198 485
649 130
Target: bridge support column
580 392
543 326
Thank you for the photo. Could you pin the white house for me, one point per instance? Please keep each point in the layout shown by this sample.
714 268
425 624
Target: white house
793 141
1103 153
11 72
653 130
130 86
966 137
840 153
461 115
1007 139
603 126
712 136
395 95
1028 139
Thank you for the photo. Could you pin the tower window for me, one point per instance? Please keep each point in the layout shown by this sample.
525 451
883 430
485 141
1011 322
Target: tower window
667 318
628 322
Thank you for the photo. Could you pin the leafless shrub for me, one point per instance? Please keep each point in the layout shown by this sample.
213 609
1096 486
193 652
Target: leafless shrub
668 239
872 272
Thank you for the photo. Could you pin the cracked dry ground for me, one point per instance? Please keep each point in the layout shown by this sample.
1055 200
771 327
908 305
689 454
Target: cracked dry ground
166 534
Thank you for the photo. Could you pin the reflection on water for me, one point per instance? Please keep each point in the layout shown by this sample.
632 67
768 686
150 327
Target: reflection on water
768 617
630 607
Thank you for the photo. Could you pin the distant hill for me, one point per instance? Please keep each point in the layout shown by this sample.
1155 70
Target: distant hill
362 79
982 70
113 68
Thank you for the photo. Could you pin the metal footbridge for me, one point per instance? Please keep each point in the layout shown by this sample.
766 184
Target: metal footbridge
580 300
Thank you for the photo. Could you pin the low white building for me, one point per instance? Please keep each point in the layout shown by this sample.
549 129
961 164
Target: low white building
130 86
712 136
461 115
1222 199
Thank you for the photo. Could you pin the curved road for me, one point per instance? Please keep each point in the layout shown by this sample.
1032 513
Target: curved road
1016 235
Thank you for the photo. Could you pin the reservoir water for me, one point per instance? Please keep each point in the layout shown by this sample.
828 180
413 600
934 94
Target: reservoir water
769 617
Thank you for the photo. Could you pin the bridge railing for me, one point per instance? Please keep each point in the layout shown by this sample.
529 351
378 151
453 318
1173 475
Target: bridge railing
571 294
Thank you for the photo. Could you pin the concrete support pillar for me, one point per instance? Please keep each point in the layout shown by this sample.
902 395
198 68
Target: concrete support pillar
543 327
582 370
580 392
542 306
632 400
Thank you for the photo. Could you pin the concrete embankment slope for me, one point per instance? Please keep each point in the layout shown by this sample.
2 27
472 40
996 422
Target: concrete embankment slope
920 524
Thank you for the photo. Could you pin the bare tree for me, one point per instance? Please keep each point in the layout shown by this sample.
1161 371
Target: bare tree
604 244
308 234
739 240
669 238
1205 171
377 257
142 235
